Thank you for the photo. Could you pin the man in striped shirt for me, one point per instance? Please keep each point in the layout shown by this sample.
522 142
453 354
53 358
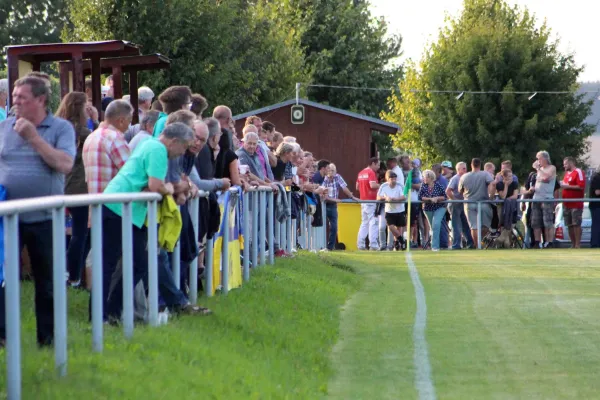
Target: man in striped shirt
334 182
105 150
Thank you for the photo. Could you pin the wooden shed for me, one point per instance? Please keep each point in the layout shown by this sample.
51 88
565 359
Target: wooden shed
340 136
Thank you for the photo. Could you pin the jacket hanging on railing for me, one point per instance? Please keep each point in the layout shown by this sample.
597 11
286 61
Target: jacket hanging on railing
317 216
209 217
189 244
169 219
282 211
297 205
214 216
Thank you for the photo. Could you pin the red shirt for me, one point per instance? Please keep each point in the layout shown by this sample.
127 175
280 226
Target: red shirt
365 177
574 178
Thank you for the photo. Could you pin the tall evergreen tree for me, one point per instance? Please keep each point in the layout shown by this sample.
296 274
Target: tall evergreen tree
492 47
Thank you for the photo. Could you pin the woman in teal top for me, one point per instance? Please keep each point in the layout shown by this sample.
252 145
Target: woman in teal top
146 169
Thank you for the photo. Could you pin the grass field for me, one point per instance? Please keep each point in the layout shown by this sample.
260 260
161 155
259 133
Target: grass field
270 339
500 325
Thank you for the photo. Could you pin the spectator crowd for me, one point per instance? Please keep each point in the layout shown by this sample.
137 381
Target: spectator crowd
177 152
484 198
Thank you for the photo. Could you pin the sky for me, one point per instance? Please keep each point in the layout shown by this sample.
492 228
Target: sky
574 22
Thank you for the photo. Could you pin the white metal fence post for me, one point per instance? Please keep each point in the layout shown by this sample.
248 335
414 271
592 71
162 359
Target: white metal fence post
59 266
193 272
12 306
127 263
270 217
97 280
152 264
246 233
262 218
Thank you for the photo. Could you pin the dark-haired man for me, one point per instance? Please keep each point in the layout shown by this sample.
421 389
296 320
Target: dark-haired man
38 150
573 187
173 99
367 185
321 173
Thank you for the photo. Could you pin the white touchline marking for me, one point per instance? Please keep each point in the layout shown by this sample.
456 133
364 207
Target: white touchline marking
423 381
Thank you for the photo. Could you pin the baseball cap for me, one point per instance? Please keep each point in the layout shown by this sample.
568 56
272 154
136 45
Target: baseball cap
392 175
447 164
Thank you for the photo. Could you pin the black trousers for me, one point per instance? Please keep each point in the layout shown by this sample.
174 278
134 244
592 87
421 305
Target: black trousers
38 239
111 254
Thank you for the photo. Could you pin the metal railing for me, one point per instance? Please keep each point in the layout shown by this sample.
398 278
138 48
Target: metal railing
259 227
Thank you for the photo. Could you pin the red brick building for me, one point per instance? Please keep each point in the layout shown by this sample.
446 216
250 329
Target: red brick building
340 136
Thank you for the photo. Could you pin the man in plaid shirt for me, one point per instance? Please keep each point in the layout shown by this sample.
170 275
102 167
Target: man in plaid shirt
105 150
334 182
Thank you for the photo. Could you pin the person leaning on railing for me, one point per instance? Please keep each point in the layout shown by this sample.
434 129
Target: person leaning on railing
37 151
146 169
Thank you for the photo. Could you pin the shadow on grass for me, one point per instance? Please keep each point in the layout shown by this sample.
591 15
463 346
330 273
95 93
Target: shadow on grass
336 263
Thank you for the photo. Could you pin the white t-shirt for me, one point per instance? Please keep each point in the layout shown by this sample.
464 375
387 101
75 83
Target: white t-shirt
400 176
397 191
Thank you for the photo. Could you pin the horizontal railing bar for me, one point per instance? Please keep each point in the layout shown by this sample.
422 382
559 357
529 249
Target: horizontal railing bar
49 202
560 200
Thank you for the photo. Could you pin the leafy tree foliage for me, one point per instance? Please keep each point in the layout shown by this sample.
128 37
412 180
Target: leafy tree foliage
492 47
31 21
229 51
344 45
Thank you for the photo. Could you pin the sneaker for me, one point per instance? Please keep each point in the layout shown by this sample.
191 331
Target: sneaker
280 253
190 309
435 249
402 244
397 245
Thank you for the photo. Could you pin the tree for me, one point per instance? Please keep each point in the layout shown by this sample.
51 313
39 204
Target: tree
228 51
492 47
32 21
343 46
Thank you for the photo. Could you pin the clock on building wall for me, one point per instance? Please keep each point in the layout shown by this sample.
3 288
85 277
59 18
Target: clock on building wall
298 114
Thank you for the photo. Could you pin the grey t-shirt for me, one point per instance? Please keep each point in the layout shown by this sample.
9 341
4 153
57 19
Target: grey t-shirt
137 139
24 173
453 185
475 185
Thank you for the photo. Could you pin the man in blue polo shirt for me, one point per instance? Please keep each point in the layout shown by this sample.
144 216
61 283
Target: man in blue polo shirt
36 152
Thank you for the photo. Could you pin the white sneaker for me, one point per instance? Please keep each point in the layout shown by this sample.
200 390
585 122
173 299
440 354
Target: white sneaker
435 249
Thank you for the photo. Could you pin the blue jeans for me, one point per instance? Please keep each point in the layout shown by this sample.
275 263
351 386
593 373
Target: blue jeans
595 241
332 219
172 297
444 234
79 245
460 226
435 220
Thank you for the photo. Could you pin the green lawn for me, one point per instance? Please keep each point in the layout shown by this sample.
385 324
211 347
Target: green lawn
501 325
271 339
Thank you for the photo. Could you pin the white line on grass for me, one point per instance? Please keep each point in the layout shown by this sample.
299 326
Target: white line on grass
423 381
